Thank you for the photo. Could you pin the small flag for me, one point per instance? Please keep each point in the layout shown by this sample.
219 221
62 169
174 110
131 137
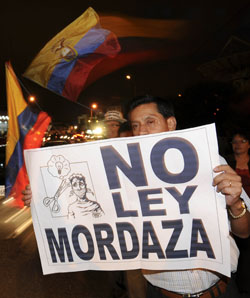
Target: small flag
25 131
63 65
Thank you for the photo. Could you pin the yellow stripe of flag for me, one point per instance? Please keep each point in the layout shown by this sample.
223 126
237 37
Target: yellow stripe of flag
16 105
43 65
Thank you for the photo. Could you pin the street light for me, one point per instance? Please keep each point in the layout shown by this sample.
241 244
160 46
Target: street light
32 98
93 107
132 80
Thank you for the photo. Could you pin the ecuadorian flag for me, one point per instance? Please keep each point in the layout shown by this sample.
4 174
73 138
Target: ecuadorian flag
63 65
25 131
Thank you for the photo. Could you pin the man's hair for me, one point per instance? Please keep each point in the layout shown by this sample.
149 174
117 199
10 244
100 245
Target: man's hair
78 177
164 106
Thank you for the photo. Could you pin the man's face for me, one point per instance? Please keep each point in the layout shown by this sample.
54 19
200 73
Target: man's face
145 119
112 128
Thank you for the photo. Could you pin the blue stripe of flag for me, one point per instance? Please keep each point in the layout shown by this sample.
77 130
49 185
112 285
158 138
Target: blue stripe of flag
26 121
86 45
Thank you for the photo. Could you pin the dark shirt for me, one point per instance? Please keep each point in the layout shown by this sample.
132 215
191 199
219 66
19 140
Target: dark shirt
243 173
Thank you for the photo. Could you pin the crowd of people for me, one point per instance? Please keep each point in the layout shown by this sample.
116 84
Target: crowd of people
149 115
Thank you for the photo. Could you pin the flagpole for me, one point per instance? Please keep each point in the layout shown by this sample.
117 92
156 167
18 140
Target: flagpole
27 91
83 106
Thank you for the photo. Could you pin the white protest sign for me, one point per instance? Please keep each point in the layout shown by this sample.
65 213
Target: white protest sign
127 203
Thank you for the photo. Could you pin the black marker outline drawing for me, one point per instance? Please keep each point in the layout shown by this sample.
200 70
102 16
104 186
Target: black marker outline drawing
82 205
58 166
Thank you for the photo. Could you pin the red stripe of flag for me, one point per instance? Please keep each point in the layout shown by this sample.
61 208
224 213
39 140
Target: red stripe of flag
32 140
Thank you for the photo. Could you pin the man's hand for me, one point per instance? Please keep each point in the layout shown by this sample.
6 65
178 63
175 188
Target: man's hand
228 182
27 195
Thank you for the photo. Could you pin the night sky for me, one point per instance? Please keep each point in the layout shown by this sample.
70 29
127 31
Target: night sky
205 27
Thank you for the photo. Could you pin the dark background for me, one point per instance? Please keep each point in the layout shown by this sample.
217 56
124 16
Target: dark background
28 25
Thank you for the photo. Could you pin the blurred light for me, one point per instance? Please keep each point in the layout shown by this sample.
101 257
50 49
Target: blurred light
75 127
15 215
217 109
179 95
4 117
8 200
77 136
32 98
128 77
94 106
22 228
97 130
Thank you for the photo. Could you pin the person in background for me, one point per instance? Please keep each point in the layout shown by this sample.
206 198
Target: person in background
149 115
112 122
125 130
240 161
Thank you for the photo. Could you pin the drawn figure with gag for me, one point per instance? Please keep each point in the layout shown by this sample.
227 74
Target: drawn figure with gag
82 206
58 166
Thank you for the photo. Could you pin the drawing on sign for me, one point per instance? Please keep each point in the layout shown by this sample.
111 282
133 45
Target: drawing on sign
72 197
82 206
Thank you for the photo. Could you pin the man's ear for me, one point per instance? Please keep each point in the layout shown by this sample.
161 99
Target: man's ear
171 122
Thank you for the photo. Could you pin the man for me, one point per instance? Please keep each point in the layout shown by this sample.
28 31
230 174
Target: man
150 115
113 120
